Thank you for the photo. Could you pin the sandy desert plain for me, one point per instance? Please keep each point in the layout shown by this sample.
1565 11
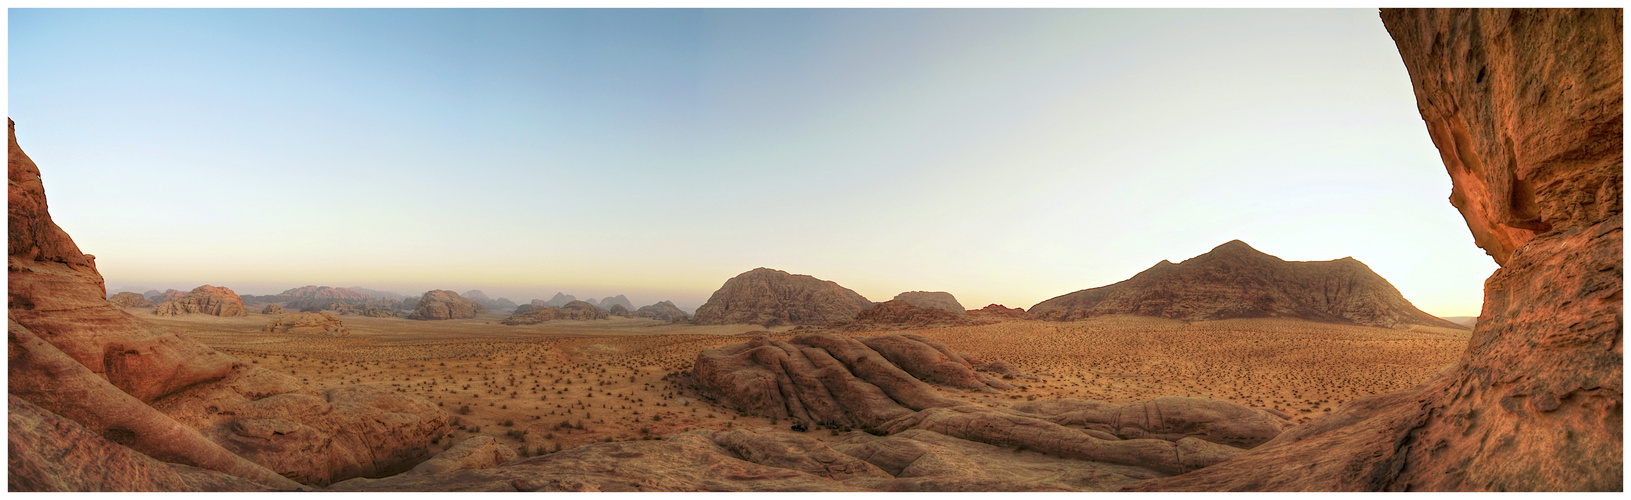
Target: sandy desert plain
553 386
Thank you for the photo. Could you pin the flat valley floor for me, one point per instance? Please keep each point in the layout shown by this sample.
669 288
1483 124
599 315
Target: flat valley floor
553 386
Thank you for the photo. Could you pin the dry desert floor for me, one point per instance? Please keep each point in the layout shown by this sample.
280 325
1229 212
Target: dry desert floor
561 384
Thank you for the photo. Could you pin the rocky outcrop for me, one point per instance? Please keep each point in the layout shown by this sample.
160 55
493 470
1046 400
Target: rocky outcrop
477 452
1525 107
156 296
133 385
619 311
211 300
896 314
305 323
883 385
129 299
770 297
997 311
1235 280
1167 417
495 305
272 309
662 311
619 300
574 310
560 299
445 304
936 300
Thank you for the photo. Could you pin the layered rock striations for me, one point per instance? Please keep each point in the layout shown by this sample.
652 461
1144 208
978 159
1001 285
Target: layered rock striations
1235 280
207 299
445 304
1525 107
770 297
886 385
79 366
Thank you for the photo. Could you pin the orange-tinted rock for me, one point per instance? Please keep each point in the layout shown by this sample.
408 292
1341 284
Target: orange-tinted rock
1235 280
129 299
999 312
1525 107
211 300
770 297
304 323
445 304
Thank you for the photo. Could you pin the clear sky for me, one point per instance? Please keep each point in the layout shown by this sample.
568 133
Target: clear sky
1005 156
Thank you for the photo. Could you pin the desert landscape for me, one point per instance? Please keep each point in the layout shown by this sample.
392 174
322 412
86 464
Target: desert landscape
1232 370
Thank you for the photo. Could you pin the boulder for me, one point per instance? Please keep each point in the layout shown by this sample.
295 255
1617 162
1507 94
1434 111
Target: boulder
272 309
129 299
211 300
770 297
619 311
445 304
304 323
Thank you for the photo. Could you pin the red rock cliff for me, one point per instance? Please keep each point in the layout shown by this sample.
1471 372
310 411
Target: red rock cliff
1526 109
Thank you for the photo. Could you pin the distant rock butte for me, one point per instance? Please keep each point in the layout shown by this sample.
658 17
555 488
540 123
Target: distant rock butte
445 304
272 309
901 314
770 297
207 299
574 310
620 311
1235 280
129 299
938 300
304 323
156 296
662 311
102 401
560 299
998 311
608 302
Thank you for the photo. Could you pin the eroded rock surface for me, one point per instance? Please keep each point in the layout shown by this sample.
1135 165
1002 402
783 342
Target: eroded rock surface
1235 280
129 299
574 310
207 299
272 309
663 311
1526 108
937 300
997 311
899 314
770 297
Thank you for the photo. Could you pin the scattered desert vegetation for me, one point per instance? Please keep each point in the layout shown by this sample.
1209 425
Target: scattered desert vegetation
547 387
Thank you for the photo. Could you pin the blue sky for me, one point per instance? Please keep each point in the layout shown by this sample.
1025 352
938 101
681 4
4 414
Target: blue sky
1005 156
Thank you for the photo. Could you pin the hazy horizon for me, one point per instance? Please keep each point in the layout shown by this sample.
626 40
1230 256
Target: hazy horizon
1005 156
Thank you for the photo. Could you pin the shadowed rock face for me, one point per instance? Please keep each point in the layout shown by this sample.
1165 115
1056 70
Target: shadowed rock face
1236 281
272 309
129 299
1525 107
997 311
323 323
207 299
883 385
445 304
937 300
901 314
77 357
770 297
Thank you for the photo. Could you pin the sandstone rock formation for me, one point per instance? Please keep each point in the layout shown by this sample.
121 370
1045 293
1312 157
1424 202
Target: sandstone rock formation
1526 108
75 357
211 300
882 384
156 296
272 309
129 299
495 305
770 297
445 304
897 313
662 311
608 302
619 311
560 299
997 311
305 323
938 300
1235 280
574 310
